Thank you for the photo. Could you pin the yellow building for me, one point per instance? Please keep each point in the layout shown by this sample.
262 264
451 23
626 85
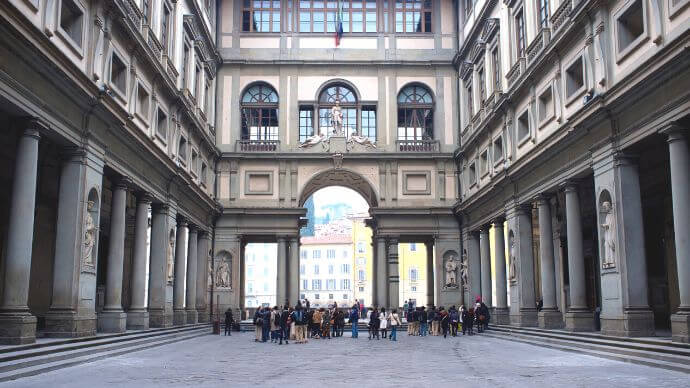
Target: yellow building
413 273
362 259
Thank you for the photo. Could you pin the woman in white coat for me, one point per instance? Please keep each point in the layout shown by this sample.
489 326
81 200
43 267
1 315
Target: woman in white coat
383 318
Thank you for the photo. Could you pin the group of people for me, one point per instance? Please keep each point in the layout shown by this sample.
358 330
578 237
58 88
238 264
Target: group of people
281 324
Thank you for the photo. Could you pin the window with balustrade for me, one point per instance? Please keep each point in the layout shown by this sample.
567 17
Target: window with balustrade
415 113
259 108
344 96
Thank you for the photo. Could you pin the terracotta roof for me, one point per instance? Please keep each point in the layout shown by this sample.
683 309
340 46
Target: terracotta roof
333 239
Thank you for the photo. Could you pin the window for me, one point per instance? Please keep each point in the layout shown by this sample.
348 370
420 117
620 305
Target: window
317 296
361 275
413 288
574 78
165 28
361 289
496 67
162 125
361 261
330 254
316 269
330 296
118 74
261 16
182 150
544 13
413 247
265 287
143 102
361 247
469 5
345 268
302 296
250 288
316 284
413 274
345 254
482 85
345 284
369 123
469 97
630 26
302 269
498 150
306 123
265 271
203 173
305 285
346 98
316 254
185 65
473 174
330 269
322 15
520 33
72 21
250 272
260 113
330 284
545 106
146 10
303 254
523 126
484 162
346 297
195 163
197 83
413 16
207 100
415 113
288 20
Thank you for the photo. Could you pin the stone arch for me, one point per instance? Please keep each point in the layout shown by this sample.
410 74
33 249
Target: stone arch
340 177
222 275
338 81
423 84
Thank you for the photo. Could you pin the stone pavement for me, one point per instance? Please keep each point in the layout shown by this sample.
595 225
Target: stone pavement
237 361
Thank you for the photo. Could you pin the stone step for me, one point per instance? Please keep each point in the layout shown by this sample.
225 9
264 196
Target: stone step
48 363
642 344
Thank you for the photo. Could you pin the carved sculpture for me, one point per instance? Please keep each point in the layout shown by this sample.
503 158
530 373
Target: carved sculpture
312 141
171 250
363 140
464 271
89 236
209 281
223 275
337 119
513 261
451 268
609 229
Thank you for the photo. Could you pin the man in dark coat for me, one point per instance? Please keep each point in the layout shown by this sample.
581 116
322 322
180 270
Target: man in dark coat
229 320
284 325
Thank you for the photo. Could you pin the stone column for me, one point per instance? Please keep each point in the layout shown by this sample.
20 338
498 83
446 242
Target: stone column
578 317
63 320
192 250
393 276
680 191
17 324
158 270
485 257
202 266
281 273
381 273
549 316
293 272
474 274
179 315
429 273
113 319
500 315
524 284
137 316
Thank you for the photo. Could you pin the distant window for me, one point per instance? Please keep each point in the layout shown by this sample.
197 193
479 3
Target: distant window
306 123
317 296
260 113
482 84
265 287
484 162
630 25
412 16
302 296
361 260
185 65
496 67
195 163
470 98
261 16
413 274
473 174
330 269
250 272
345 254
369 123
316 269
143 102
316 254
415 113
165 28
202 175
162 125
316 284
361 247
72 21
520 33
330 284
302 269
305 285
322 15
330 254
523 126
544 13
361 275
345 284
413 288
118 74
303 254
182 150
330 296
345 268
413 247
265 271
361 289
574 78
498 149
545 105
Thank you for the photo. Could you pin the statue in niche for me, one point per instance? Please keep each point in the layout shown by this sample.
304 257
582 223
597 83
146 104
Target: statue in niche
609 229
223 274
171 250
512 261
337 119
451 268
464 271
89 236
209 281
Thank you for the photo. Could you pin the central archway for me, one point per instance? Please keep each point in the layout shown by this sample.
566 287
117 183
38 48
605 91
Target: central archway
340 177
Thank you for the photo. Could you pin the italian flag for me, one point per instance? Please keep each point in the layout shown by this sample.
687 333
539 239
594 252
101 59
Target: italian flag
339 24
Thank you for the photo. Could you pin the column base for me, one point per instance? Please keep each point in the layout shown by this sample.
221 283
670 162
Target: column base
579 320
179 317
202 315
526 318
159 318
191 317
69 324
137 320
112 322
550 319
17 328
500 316
632 324
680 326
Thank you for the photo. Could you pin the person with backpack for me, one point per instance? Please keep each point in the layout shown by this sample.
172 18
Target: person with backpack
229 320
454 320
354 320
299 322
325 323
395 322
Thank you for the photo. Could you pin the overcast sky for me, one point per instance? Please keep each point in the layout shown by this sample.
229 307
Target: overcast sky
338 194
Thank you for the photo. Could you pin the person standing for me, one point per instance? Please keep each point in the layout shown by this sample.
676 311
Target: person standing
445 322
258 324
266 324
229 320
395 322
422 318
383 322
374 324
275 324
354 320
284 323
430 315
325 323
454 320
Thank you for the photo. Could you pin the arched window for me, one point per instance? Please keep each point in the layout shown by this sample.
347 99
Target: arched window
348 102
260 113
415 113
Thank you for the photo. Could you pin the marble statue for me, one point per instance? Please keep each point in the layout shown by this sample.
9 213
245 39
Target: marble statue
363 140
312 141
209 281
513 261
451 267
223 275
609 229
464 271
171 250
89 235
337 119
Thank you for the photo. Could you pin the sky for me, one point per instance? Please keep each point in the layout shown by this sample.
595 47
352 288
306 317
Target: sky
337 194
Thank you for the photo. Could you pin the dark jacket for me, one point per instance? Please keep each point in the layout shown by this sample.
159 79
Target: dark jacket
284 318
228 317
431 315
422 316
354 315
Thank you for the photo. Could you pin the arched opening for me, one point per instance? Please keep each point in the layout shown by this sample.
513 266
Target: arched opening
415 113
340 177
259 108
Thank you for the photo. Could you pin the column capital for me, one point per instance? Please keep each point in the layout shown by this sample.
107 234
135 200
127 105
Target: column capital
625 158
380 239
181 221
144 197
674 131
282 238
204 235
484 229
193 228
161 208
570 185
525 209
498 221
124 183
294 239
542 199
73 155
33 126
392 240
